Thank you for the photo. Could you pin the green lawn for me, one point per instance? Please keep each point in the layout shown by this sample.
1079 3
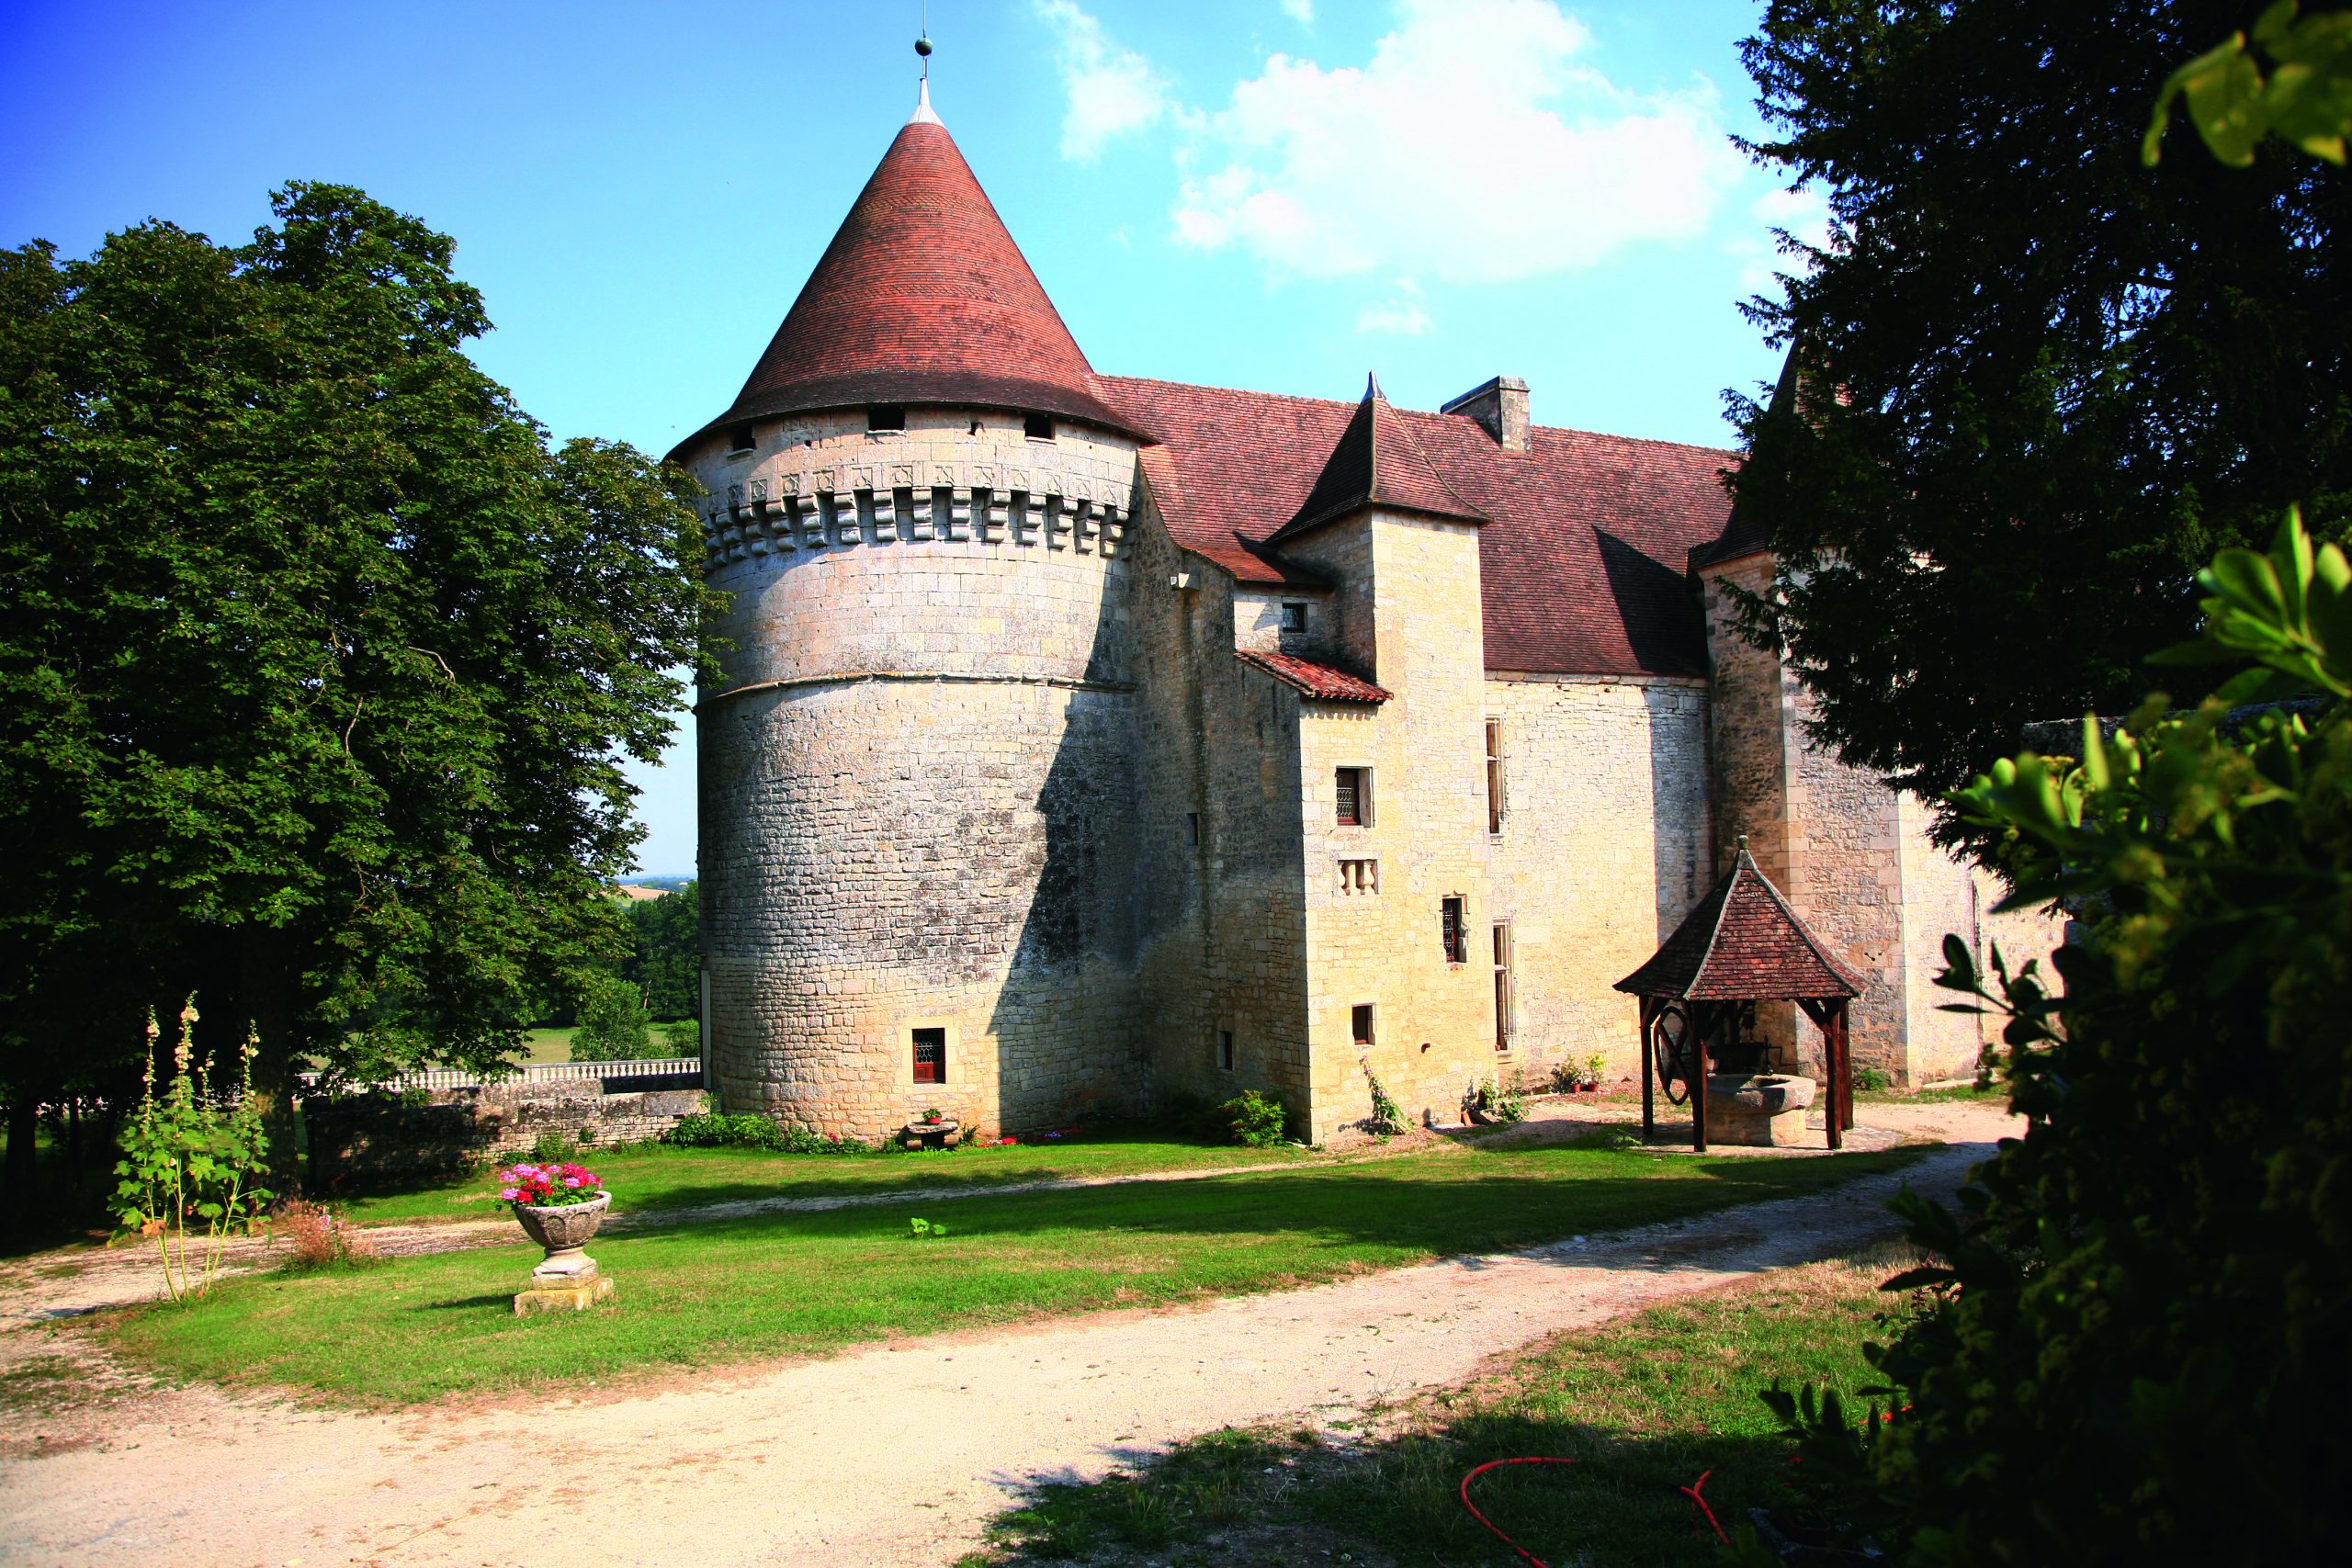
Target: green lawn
548 1045
658 1177
695 1293
1643 1407
1998 1094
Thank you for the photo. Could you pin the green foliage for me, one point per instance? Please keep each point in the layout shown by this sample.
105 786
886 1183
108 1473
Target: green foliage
1254 1120
2145 1294
319 666
925 1230
553 1148
1387 1118
1871 1078
2034 387
744 1130
665 955
1504 1104
1596 1069
190 1163
614 1024
683 1038
2306 99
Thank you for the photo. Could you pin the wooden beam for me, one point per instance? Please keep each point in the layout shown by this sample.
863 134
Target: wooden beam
1700 1022
1649 1112
1841 1078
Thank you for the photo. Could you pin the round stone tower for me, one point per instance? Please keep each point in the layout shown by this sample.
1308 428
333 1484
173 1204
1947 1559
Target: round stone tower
916 774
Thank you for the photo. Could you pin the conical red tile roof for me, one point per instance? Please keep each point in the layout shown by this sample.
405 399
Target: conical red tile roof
1376 462
1743 943
923 297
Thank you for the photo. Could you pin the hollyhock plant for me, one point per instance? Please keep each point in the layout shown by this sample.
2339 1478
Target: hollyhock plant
549 1186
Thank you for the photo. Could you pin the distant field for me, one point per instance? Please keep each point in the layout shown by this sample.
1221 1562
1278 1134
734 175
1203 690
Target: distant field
548 1044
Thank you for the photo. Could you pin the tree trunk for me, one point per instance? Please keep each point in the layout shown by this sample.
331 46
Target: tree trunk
23 1199
265 1003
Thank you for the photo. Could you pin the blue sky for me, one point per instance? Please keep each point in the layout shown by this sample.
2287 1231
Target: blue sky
1273 193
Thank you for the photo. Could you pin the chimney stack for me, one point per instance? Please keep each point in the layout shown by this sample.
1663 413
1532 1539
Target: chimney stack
1501 406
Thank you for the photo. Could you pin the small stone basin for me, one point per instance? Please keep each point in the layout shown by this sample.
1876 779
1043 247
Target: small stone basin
1760 1110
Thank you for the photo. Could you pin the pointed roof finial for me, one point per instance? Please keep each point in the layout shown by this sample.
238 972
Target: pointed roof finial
923 114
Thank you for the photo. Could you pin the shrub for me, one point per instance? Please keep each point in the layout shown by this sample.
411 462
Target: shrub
1387 1118
552 1148
1505 1103
1871 1078
1254 1120
2139 1305
745 1130
319 1238
683 1038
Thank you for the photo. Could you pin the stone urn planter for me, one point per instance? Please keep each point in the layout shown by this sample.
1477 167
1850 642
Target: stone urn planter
1761 1109
566 1278
943 1134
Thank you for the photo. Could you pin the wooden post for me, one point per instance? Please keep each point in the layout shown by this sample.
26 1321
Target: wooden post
1650 1112
1841 1078
1701 1020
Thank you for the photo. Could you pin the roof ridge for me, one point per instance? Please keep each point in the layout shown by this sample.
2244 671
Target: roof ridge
1419 451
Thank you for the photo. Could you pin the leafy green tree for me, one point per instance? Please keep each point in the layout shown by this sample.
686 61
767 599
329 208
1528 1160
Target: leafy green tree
614 1024
318 664
2034 385
666 960
2142 1302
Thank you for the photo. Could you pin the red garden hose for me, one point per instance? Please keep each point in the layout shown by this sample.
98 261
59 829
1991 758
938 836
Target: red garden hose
1693 1492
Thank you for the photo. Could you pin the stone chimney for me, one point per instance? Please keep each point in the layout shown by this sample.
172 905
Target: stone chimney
1501 406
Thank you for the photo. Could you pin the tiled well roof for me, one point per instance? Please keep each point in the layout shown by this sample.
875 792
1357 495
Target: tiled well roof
1582 558
1317 681
923 296
1742 943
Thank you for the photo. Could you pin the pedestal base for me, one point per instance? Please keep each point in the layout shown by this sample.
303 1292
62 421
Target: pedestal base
1758 1110
568 1282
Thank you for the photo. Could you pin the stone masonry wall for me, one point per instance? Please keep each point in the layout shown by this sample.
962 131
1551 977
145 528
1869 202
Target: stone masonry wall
917 773
1409 616
1606 845
1218 846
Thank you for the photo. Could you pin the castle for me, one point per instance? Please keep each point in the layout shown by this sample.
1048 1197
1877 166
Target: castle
1087 740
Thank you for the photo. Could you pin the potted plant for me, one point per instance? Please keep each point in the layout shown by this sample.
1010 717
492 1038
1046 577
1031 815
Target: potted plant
933 1117
561 1205
1594 1066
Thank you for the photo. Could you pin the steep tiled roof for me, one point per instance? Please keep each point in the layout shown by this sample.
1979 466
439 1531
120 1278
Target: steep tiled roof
1583 556
1317 681
1742 943
923 296
1376 462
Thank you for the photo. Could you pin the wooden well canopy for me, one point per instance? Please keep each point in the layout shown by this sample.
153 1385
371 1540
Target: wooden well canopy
1742 945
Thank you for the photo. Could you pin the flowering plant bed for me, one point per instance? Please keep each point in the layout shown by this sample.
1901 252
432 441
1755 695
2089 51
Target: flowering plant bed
549 1186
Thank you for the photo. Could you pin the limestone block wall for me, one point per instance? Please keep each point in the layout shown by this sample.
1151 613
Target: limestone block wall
1606 842
1410 618
917 771
1222 929
1854 857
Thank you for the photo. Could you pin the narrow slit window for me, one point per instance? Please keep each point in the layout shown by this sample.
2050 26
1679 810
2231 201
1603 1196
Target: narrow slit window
1449 919
1351 790
1225 1050
1360 1024
931 1055
1037 426
1494 775
1502 985
886 416
1193 828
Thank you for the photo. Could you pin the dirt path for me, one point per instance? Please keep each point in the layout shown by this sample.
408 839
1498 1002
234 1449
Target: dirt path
887 1455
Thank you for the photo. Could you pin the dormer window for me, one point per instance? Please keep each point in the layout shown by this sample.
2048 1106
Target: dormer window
886 416
1294 615
1037 426
740 439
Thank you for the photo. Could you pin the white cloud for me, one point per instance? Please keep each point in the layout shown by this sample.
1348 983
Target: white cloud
1113 91
1803 214
1399 315
1473 147
1300 11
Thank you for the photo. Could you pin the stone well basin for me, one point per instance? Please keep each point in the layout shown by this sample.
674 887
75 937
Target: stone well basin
1761 1110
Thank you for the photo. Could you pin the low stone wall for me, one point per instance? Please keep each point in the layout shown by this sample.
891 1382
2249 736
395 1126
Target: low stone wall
376 1138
